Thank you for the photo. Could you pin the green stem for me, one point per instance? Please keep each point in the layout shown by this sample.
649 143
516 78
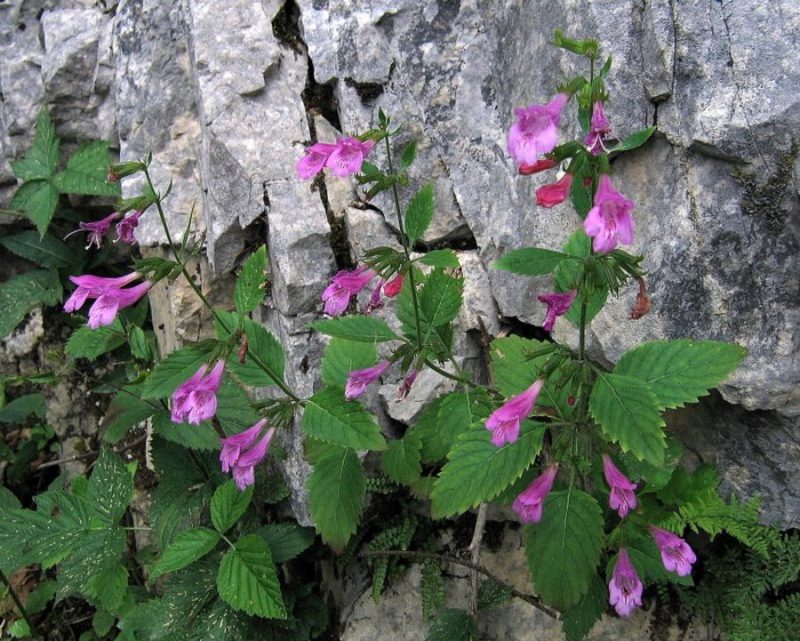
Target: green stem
256 359
582 329
404 241
19 605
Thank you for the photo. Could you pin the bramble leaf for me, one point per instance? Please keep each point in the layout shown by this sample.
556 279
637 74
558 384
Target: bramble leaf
176 368
186 548
250 282
356 328
42 157
401 461
247 579
87 172
529 261
228 505
453 625
47 251
419 213
332 418
38 200
342 356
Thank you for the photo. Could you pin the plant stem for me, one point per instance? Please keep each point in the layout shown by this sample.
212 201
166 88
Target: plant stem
404 241
256 359
582 329
411 554
19 605
475 548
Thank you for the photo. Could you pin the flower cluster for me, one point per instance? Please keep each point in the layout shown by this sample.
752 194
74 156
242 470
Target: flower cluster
504 422
241 453
99 228
195 400
110 296
344 158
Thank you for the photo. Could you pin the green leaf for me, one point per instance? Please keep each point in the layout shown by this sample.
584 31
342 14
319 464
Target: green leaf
102 622
332 418
87 172
38 200
92 343
579 245
681 371
174 370
564 548
448 417
20 294
529 261
342 357
491 594
7 499
22 407
250 282
228 505
141 348
453 625
235 411
186 548
47 251
247 579
262 347
107 588
419 214
439 300
441 258
336 496
478 471
580 618
401 461
194 437
20 629
636 139
356 328
628 413
408 155
110 487
579 195
42 157
286 540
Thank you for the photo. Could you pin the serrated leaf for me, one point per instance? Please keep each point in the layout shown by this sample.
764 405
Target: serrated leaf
141 348
235 412
228 505
91 565
564 548
46 251
264 352
22 407
579 245
7 499
332 418
250 282
186 548
408 155
452 625
440 299
419 213
680 371
477 470
580 618
247 579
20 294
635 140
286 540
343 356
102 622
92 343
401 461
446 419
174 370
580 196
529 261
336 496
87 171
38 200
356 328
108 588
194 437
491 594
628 412
42 157
441 258
110 487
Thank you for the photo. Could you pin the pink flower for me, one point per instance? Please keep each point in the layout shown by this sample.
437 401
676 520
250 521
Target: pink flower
110 293
533 133
622 497
394 286
242 452
126 226
505 421
93 287
96 229
347 156
675 552
555 193
598 129
358 379
558 304
528 505
195 400
625 588
375 300
405 386
540 165
609 222
344 285
314 160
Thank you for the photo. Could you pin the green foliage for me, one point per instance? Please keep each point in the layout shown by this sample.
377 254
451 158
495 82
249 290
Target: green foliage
365 329
285 540
580 618
680 371
529 261
228 505
343 356
441 258
174 370
491 594
446 419
633 141
478 471
250 283
570 274
336 495
22 293
332 418
396 537
453 625
420 213
564 548
402 460
264 352
92 343
188 547
431 588
86 172
48 251
42 157
196 437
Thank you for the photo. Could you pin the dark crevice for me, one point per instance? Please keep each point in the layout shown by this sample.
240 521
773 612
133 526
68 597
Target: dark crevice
514 326
320 99
462 240
368 92
286 27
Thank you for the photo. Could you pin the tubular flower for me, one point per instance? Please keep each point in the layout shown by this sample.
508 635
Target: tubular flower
348 156
394 286
344 285
528 505
405 387
375 300
242 452
126 226
195 400
540 165
96 229
558 304
625 588
504 423
675 552
314 160
533 133
609 222
622 497
93 287
110 293
599 127
555 193
358 379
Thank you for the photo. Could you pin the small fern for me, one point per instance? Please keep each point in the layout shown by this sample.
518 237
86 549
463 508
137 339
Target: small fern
397 537
432 590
